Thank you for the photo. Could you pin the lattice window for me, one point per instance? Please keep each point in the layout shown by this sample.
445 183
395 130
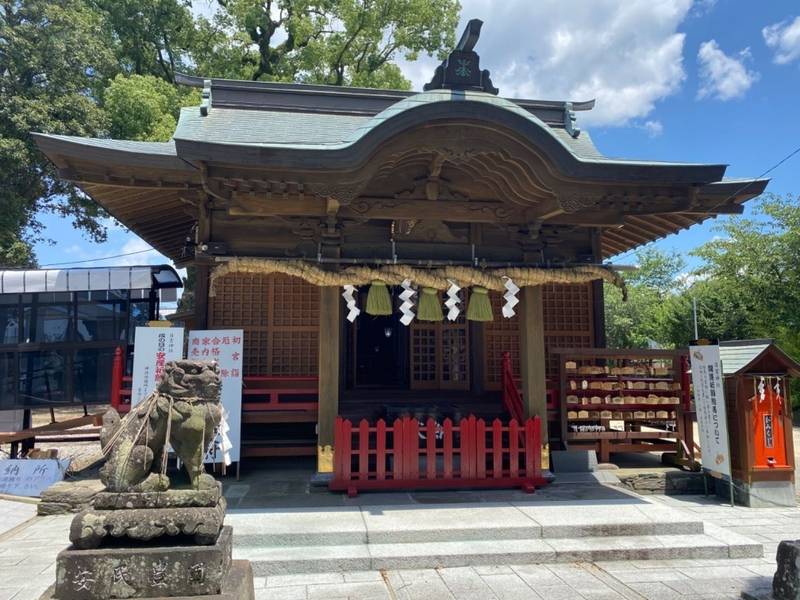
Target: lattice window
455 358
440 354
568 322
423 356
567 308
280 318
500 335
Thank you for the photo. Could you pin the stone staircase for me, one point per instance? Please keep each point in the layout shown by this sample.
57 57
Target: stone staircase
286 541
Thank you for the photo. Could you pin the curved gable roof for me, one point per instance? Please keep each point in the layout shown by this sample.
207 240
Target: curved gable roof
346 141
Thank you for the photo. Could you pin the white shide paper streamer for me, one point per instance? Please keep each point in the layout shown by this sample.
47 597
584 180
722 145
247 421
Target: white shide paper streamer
221 441
349 298
510 297
452 301
408 303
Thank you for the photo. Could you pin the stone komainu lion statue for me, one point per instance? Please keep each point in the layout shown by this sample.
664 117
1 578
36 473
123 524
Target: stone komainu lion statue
183 412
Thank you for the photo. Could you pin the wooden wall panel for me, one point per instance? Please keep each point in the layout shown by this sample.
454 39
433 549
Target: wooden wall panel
568 322
280 318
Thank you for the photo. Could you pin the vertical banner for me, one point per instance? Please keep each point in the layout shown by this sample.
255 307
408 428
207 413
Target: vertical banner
226 347
153 347
709 399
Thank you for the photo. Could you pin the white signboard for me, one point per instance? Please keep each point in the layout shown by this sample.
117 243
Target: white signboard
153 348
709 399
226 347
30 477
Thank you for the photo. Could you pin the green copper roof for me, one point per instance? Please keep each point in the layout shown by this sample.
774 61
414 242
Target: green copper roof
159 148
737 356
300 130
310 130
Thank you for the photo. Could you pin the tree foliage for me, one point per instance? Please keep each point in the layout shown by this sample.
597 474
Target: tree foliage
637 322
108 67
54 58
347 42
747 286
145 108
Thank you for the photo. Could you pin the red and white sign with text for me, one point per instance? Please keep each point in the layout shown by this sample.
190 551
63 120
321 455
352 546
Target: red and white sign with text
226 347
153 348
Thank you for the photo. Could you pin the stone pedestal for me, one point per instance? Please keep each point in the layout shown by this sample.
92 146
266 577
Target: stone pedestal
141 539
236 585
152 545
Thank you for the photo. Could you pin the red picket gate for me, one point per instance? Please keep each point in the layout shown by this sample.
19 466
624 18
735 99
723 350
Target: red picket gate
408 455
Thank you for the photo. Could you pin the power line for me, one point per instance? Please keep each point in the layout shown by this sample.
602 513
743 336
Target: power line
77 262
737 192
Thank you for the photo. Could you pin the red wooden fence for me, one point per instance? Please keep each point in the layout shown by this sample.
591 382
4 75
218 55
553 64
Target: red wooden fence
408 455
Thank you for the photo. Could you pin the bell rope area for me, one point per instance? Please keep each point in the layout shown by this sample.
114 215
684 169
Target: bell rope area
343 338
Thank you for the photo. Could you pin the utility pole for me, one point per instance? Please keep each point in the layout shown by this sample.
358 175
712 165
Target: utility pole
694 315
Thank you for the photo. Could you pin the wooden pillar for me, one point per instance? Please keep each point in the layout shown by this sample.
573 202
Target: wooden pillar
330 317
201 274
532 358
598 295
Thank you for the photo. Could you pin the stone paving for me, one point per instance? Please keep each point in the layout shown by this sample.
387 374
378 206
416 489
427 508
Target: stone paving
27 567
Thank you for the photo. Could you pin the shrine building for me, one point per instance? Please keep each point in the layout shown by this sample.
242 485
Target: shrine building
281 196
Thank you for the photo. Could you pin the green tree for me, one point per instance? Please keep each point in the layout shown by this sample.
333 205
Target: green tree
143 107
348 42
637 322
722 313
54 56
107 67
150 37
757 260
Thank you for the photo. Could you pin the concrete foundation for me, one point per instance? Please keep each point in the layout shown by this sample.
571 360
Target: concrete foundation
573 461
761 494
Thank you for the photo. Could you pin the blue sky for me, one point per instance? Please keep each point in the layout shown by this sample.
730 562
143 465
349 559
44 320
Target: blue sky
703 81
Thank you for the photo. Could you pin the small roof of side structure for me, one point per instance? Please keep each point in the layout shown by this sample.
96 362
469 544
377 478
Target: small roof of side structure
298 140
27 281
743 356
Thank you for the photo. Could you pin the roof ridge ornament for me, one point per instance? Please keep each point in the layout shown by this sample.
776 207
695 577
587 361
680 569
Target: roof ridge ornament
569 120
205 95
461 69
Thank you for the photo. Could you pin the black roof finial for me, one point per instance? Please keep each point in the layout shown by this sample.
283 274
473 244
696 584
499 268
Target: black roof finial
461 70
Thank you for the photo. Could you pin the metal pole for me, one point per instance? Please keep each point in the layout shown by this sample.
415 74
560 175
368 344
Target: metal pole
730 481
694 314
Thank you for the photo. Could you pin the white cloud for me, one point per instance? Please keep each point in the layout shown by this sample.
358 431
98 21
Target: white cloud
784 39
721 76
653 128
626 54
703 7
145 254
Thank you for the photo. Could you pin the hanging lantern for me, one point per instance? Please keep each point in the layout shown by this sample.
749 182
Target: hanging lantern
430 309
479 307
379 303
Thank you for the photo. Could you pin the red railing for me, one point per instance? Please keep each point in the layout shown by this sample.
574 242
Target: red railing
259 393
279 392
512 399
407 455
120 395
